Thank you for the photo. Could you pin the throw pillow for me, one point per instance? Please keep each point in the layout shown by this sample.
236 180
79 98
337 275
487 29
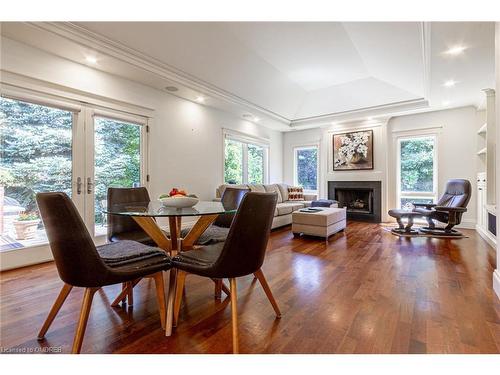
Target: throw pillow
295 193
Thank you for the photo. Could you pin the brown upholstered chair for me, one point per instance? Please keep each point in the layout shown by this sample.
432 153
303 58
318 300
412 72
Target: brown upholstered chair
79 263
218 231
241 254
448 209
123 227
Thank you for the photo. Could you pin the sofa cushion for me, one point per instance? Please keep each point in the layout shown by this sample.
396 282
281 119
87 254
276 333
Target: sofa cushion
286 208
273 188
284 191
257 188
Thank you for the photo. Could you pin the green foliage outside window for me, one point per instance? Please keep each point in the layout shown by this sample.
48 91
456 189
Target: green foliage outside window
36 153
417 164
307 168
233 162
35 150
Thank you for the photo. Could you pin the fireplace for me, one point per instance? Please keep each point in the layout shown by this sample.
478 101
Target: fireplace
362 199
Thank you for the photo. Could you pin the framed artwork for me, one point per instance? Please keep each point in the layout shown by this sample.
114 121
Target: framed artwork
353 151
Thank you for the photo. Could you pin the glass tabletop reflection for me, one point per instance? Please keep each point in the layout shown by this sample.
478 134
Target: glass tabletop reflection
158 209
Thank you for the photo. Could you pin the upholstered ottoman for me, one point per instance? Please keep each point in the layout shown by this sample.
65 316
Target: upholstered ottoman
322 223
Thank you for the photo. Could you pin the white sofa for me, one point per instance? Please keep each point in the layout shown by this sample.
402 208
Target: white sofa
284 207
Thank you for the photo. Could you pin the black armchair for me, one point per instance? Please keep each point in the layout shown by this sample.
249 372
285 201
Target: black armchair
449 208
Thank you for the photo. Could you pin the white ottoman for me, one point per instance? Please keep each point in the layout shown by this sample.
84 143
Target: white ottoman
323 223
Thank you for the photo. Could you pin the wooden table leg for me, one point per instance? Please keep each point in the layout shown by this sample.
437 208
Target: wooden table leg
150 226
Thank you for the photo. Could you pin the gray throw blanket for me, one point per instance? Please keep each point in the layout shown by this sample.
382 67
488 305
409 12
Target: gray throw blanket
212 235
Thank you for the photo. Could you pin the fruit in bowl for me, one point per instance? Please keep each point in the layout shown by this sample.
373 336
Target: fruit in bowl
178 198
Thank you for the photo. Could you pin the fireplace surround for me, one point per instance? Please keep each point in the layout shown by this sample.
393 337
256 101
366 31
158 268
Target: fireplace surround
362 199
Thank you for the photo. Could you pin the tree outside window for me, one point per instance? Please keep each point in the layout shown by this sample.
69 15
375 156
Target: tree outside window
306 164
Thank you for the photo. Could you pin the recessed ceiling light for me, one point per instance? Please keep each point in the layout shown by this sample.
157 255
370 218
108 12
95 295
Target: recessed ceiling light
256 119
450 83
369 118
200 99
455 50
91 59
171 88
446 102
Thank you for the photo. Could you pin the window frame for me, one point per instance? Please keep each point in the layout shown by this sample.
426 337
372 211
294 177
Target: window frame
246 140
410 194
295 174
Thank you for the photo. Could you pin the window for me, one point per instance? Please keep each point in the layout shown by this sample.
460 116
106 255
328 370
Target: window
36 143
53 148
306 167
117 161
417 169
245 161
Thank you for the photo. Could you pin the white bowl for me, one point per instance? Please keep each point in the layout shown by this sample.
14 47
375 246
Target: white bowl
179 202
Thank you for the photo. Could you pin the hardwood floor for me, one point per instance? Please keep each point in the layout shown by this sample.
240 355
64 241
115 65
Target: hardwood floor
366 292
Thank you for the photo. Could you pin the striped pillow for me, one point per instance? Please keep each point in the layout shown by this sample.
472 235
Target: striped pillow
295 193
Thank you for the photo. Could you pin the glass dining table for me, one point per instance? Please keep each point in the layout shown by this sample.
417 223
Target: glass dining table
145 214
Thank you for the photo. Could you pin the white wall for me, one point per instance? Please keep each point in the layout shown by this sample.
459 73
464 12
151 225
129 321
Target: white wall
186 137
456 152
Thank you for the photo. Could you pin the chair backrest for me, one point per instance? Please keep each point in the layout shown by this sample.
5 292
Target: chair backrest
245 247
75 254
457 193
231 199
121 224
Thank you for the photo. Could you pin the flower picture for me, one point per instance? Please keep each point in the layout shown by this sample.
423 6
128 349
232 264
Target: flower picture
353 151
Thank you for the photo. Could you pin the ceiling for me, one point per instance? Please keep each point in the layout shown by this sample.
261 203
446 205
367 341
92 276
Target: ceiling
302 72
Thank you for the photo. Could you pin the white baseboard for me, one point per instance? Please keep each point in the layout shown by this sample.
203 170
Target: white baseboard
496 282
487 236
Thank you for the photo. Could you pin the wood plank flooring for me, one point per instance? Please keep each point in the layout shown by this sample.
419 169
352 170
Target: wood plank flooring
367 291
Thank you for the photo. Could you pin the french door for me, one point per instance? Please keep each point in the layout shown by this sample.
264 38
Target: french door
49 145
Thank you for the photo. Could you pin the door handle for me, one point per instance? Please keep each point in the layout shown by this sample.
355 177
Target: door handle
89 185
78 185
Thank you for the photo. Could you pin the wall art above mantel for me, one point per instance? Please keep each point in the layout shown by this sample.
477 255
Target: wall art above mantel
353 151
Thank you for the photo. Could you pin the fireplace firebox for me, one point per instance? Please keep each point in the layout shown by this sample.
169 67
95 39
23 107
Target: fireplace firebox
362 199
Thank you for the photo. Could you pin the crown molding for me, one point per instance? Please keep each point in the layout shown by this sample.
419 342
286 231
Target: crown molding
88 39
361 113
138 60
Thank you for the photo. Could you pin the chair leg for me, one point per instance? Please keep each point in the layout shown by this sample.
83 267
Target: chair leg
160 296
234 315
170 301
260 275
130 295
84 317
124 293
63 294
218 288
181 279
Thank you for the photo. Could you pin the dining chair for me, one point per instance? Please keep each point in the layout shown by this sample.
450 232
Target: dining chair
241 254
125 228
219 229
79 264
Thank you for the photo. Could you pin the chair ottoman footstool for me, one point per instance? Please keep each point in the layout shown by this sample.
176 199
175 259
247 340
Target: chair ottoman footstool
322 223
404 214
